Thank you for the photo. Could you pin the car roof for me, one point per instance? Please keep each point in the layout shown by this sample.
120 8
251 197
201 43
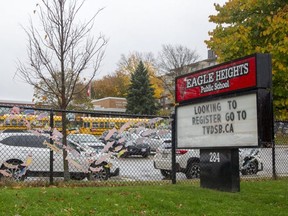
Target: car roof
80 135
4 135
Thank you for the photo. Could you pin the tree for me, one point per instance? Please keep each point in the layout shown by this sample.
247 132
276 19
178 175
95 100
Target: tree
117 83
247 27
79 100
171 63
112 85
140 99
59 52
128 64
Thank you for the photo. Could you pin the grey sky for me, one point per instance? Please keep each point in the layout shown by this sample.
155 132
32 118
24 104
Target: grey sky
130 25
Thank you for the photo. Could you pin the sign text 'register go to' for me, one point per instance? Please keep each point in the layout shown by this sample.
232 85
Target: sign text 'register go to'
233 118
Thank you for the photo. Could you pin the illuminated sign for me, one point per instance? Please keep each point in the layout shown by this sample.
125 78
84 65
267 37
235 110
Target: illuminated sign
221 123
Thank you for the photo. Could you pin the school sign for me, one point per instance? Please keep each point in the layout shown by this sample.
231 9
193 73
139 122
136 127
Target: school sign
228 105
221 109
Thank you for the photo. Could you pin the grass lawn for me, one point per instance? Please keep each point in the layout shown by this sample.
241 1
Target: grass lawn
269 197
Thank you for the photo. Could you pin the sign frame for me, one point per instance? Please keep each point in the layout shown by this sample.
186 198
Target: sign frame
263 122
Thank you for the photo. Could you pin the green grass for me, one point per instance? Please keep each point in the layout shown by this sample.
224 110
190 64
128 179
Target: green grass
268 197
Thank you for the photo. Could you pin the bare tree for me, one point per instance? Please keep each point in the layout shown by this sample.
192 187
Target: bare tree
79 100
128 64
171 63
59 51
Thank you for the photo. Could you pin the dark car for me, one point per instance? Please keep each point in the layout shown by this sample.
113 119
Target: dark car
134 149
134 145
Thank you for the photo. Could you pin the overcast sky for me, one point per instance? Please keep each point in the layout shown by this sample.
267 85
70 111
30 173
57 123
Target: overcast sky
130 25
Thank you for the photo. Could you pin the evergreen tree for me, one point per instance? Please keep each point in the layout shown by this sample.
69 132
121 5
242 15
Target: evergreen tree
140 97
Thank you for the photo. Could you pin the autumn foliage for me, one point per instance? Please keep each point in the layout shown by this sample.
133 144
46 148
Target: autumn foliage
255 26
116 84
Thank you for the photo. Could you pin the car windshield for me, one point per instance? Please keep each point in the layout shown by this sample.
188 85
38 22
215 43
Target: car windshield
166 146
78 146
98 148
86 142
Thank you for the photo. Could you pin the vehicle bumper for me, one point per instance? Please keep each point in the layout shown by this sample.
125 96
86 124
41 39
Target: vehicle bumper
162 164
138 151
116 172
165 167
260 166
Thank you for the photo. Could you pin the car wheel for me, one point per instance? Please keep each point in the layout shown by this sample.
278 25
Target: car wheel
193 170
125 155
251 168
166 173
17 173
145 155
101 175
77 176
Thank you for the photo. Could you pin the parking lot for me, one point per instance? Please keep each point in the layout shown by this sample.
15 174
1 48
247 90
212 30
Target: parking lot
138 168
124 154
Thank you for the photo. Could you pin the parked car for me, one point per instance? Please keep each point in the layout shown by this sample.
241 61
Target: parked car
87 140
20 152
134 145
131 142
91 141
250 161
187 161
155 138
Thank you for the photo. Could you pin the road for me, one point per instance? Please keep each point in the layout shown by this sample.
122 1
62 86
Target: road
138 168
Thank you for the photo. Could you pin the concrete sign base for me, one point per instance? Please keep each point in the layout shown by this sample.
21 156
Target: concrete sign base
220 169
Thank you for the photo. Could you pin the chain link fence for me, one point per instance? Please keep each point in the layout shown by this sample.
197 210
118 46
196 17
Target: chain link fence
111 149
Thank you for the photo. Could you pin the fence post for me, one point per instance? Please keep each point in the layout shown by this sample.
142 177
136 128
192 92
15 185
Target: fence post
273 161
173 149
51 151
274 175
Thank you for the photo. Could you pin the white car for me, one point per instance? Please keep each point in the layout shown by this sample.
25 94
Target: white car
22 152
187 161
156 138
